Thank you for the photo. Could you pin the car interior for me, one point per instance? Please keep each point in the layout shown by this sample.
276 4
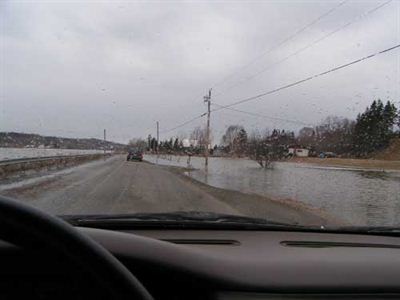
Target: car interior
199 149
44 257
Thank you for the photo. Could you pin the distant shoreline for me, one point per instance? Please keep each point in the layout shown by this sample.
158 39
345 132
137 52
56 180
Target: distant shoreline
356 163
371 164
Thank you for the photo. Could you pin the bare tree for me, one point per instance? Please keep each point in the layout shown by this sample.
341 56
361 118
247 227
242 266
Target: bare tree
199 137
306 136
230 139
138 143
269 147
332 134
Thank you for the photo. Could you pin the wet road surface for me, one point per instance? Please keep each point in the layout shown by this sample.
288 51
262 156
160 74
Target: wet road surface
116 186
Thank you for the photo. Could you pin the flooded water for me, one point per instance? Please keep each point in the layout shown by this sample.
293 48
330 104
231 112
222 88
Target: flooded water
15 153
365 198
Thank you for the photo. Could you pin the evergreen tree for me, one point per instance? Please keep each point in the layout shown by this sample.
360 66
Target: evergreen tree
389 115
153 144
176 144
374 128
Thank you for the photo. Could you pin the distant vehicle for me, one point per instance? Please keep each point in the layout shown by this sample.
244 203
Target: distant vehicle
327 155
135 155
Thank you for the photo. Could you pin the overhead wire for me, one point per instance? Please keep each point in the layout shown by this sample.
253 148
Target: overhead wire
268 67
184 123
262 116
306 79
229 106
283 42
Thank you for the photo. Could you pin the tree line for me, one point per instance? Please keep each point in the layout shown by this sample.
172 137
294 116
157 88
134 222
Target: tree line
370 132
194 145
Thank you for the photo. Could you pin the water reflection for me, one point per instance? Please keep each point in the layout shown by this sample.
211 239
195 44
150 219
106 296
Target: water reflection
358 197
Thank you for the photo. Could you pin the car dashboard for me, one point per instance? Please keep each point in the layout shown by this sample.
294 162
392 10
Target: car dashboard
243 264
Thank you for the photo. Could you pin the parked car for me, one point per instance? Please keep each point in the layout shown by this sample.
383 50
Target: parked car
327 155
135 155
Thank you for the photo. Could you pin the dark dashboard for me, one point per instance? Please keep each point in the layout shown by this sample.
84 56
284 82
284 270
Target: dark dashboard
234 264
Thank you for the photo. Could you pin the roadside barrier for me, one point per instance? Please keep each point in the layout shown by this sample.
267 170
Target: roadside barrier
14 167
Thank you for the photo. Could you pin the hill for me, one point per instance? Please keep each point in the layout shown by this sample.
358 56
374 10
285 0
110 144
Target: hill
28 140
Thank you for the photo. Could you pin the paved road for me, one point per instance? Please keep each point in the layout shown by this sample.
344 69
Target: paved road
116 186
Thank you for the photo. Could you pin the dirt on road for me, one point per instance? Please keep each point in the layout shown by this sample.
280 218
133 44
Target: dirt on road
118 186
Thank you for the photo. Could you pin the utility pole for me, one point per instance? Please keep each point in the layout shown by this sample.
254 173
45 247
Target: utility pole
207 99
104 141
149 142
158 136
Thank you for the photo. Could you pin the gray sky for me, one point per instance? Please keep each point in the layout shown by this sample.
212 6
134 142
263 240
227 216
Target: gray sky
72 69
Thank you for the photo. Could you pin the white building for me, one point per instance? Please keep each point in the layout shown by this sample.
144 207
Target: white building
299 152
189 143
186 143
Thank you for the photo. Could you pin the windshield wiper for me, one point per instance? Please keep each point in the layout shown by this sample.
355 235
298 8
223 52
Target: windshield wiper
185 219
210 220
384 230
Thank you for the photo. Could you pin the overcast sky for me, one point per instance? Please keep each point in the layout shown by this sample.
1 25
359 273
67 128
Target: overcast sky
71 69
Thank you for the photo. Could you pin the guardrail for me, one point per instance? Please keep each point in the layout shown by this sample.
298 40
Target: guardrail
40 158
13 167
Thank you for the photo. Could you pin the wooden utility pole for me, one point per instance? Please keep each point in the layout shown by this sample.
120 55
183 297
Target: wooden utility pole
104 141
207 99
158 136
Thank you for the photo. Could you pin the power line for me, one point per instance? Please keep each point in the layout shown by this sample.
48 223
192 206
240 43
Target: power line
228 106
307 79
300 81
268 67
262 116
283 42
299 31
183 124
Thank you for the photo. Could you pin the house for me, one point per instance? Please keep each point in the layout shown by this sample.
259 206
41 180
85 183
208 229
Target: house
298 151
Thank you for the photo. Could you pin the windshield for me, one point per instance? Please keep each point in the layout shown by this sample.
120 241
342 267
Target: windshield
270 112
